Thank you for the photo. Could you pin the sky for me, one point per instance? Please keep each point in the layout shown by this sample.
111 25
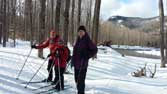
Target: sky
132 8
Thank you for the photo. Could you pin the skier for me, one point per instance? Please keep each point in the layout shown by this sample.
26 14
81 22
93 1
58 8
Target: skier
61 57
51 42
83 49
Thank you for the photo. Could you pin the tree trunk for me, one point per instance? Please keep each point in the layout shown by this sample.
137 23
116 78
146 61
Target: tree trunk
35 20
1 21
96 20
13 20
0 33
57 19
79 13
7 19
89 14
4 23
26 20
52 13
66 22
42 26
161 13
30 6
72 22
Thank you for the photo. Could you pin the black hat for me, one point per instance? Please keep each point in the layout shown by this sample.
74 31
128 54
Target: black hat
82 28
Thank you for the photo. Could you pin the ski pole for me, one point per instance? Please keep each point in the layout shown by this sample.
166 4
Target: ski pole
59 70
35 73
50 70
24 64
34 42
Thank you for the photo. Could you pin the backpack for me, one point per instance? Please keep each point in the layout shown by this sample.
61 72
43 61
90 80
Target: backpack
69 54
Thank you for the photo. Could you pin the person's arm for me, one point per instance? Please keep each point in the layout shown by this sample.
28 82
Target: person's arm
43 45
92 51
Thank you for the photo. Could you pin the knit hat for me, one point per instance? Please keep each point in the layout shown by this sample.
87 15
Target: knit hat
82 28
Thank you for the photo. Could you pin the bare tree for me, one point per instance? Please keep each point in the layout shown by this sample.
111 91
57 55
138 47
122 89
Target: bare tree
1 16
89 14
28 20
42 25
96 20
8 14
161 14
4 24
13 20
52 9
72 21
30 6
57 18
79 12
66 22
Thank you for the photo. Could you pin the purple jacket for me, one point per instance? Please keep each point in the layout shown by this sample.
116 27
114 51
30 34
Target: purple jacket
82 51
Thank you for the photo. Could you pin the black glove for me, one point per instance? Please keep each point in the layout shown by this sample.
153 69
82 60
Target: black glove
72 64
33 46
69 58
48 55
57 53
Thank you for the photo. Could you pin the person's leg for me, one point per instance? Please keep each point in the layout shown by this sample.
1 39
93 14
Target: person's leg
50 69
56 76
76 72
56 81
62 70
81 81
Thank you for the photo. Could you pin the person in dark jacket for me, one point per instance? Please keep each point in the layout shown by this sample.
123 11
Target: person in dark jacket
83 49
51 43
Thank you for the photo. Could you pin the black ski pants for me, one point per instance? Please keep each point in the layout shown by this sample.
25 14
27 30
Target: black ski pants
80 75
56 80
50 69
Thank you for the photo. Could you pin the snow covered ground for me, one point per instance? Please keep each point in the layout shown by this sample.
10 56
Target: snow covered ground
108 74
151 52
139 49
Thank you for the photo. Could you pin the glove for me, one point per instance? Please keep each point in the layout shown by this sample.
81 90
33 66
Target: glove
48 55
33 46
72 64
57 53
69 58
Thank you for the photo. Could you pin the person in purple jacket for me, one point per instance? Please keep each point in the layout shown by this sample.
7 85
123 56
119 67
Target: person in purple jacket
83 50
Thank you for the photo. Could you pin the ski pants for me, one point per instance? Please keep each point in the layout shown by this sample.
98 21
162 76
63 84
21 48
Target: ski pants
56 80
80 75
50 69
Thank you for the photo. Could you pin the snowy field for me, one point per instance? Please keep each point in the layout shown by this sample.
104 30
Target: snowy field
139 49
151 52
110 73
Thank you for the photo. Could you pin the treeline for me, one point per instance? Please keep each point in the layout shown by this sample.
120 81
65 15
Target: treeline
121 35
33 19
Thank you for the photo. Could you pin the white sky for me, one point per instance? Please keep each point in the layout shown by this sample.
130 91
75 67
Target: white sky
132 8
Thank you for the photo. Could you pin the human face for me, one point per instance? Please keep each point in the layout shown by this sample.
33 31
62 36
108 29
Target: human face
52 35
81 33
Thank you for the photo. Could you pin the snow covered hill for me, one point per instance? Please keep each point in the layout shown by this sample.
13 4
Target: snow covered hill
108 74
135 22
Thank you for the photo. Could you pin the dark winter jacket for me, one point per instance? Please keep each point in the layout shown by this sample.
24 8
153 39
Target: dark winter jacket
82 51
